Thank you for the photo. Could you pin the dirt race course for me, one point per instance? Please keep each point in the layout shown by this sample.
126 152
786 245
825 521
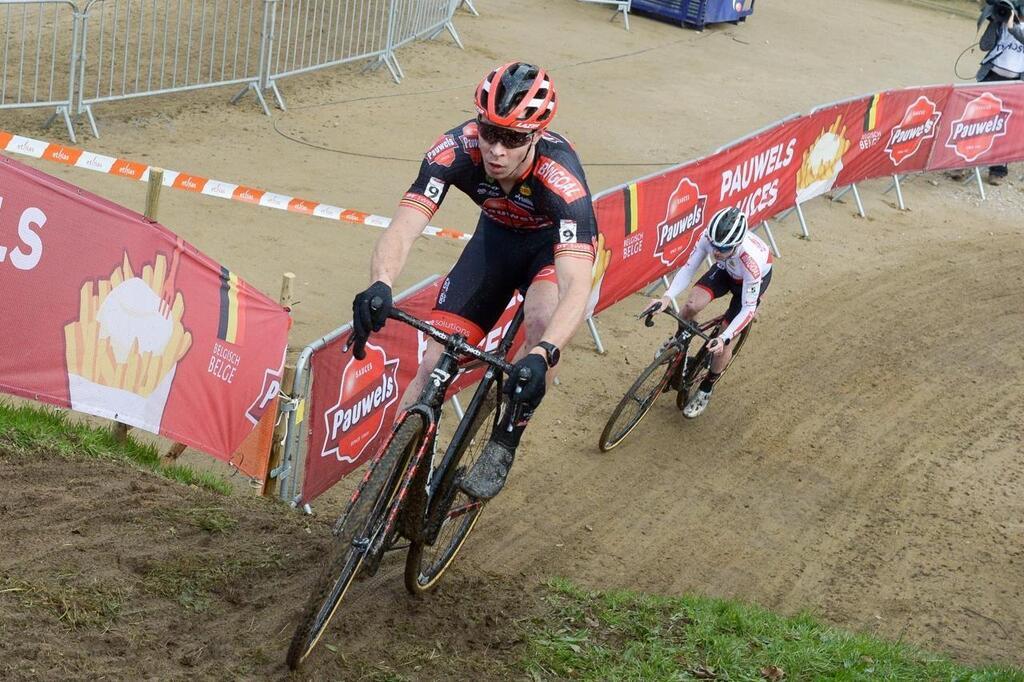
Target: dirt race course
862 460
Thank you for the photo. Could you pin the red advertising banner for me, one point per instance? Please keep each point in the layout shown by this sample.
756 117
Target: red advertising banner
982 124
109 314
353 403
895 132
648 228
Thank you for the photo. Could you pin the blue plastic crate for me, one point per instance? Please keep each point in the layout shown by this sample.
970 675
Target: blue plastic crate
695 13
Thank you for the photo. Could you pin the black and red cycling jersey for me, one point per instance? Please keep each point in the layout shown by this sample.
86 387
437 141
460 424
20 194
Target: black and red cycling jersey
551 194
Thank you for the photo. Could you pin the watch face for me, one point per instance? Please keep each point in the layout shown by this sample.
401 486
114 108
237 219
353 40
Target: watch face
552 352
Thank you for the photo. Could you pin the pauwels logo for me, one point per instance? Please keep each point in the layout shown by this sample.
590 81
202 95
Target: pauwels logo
443 151
271 387
683 216
973 134
471 141
920 121
368 388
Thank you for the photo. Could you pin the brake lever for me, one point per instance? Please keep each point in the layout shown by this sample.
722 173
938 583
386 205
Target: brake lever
648 314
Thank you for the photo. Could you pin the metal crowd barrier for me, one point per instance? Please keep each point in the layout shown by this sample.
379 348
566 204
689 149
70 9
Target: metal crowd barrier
73 54
138 48
296 448
38 48
309 35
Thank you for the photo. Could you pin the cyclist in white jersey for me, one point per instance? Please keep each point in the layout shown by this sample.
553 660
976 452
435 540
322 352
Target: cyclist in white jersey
743 267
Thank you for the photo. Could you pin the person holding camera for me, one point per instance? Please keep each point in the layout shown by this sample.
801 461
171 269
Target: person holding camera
1003 42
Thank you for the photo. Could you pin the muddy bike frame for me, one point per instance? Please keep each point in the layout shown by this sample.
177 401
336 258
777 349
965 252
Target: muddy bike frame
428 406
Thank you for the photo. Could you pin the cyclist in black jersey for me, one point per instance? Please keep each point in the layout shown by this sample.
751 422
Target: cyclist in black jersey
535 235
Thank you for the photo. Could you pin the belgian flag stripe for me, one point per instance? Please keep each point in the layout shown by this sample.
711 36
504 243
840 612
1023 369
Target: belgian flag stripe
871 117
632 211
228 327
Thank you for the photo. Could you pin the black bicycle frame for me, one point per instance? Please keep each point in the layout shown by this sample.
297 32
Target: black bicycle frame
429 407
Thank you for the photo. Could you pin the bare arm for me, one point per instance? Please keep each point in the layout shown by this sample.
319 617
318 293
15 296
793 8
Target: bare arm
392 248
574 281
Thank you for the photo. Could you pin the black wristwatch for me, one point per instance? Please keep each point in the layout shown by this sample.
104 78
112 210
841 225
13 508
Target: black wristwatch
551 351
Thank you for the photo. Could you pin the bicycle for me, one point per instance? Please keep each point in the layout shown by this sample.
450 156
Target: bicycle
672 368
410 489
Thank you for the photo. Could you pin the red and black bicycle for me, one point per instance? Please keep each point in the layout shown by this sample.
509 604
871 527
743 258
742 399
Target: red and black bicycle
411 489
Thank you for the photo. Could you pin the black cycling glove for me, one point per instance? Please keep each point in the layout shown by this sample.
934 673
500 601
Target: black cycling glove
532 390
366 320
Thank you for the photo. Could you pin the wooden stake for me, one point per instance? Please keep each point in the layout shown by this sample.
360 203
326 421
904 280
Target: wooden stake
156 183
277 446
287 384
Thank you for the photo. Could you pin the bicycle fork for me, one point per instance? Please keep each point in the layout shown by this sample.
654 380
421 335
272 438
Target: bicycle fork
374 546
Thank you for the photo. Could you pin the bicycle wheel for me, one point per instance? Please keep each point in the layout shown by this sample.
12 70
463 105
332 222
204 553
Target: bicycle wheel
426 563
639 398
363 520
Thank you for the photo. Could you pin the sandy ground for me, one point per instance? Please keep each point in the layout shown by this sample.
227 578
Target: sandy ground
861 461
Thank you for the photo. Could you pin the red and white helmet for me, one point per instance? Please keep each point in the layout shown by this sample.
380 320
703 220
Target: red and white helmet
517 95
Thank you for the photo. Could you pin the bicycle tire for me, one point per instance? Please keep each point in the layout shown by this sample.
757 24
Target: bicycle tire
614 433
366 513
425 564
698 370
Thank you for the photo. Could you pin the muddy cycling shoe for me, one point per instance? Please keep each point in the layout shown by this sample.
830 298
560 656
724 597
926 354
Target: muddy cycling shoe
698 403
488 475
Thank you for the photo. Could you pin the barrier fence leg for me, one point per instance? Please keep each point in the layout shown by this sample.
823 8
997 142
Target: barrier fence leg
803 222
597 337
457 406
860 204
469 5
771 238
981 185
899 192
455 34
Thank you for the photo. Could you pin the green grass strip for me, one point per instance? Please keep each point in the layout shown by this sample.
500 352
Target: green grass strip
631 636
25 429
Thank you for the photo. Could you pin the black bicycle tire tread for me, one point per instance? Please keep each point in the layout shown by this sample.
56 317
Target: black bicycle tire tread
604 442
341 549
414 557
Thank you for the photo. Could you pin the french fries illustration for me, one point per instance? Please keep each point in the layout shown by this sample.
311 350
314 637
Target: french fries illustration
822 162
122 351
602 258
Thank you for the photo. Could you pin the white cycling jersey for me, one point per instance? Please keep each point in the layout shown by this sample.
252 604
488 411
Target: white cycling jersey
748 265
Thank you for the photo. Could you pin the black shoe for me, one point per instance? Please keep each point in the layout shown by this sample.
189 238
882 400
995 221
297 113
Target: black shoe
995 179
487 477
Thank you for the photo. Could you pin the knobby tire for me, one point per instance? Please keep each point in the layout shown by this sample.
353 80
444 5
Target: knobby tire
641 396
425 564
364 518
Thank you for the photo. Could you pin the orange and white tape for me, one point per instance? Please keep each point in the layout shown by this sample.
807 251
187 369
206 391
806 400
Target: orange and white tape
79 158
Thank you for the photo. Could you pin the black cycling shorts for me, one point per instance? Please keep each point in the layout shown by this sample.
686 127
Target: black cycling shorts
496 263
718 283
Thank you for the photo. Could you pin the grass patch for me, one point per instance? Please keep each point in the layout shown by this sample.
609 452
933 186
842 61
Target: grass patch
189 580
77 603
631 636
213 520
26 429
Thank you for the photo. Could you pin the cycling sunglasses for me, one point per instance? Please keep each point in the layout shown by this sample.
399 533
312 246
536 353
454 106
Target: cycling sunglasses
510 139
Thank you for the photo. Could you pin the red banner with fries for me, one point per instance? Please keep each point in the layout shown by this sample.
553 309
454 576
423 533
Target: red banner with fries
110 314
353 403
647 228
